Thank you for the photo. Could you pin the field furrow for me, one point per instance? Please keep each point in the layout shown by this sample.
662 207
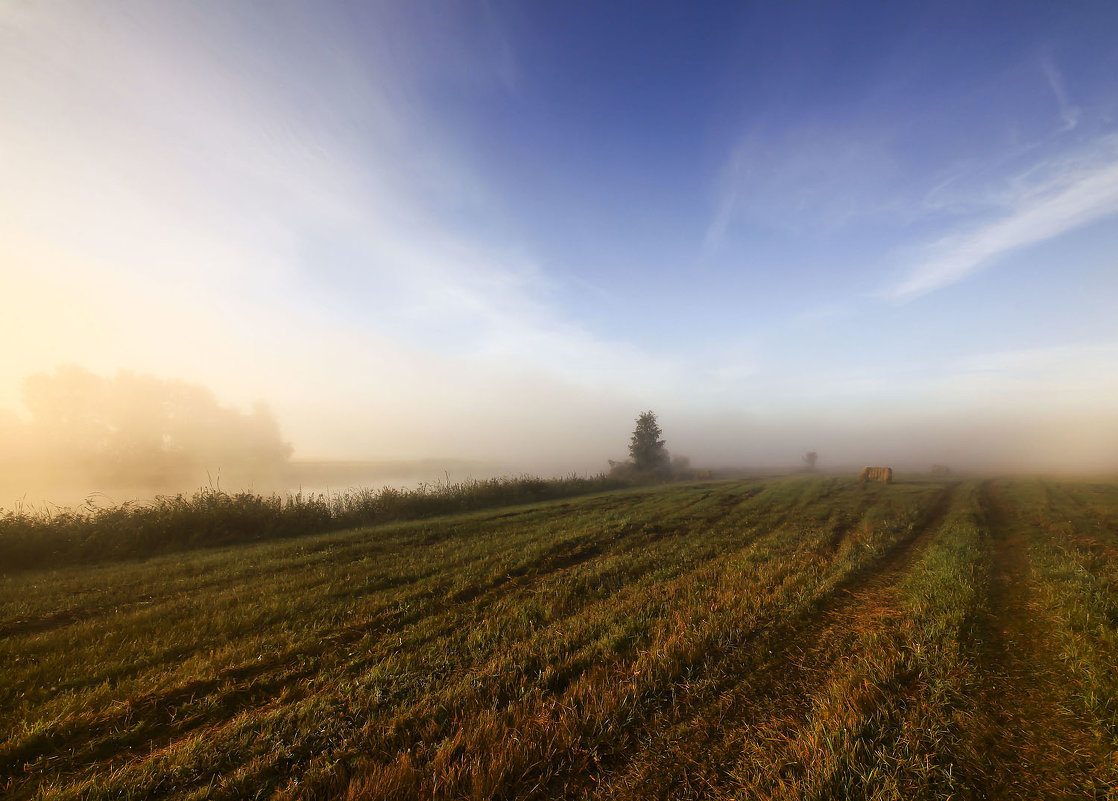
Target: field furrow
768 693
708 656
138 721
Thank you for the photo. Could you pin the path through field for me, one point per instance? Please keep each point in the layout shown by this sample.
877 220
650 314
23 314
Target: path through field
1032 742
806 637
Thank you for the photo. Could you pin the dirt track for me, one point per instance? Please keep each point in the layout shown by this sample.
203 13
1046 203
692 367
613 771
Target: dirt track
1027 737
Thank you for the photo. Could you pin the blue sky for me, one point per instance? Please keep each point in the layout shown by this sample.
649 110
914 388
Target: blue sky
500 230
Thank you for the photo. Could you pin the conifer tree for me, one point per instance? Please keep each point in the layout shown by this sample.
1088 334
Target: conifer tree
646 448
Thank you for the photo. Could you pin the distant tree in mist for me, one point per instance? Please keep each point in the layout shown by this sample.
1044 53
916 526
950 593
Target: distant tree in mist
139 429
810 458
645 447
649 458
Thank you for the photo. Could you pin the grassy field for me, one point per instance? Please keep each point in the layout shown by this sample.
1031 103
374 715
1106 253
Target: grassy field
802 637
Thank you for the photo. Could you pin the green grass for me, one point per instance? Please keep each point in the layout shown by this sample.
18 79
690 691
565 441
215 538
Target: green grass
804 637
1074 547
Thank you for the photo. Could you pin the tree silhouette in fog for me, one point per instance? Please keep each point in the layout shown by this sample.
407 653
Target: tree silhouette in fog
646 448
135 428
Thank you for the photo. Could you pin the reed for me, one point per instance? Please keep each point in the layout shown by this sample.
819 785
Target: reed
211 517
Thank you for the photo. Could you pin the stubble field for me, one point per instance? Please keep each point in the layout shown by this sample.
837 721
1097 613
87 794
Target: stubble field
804 637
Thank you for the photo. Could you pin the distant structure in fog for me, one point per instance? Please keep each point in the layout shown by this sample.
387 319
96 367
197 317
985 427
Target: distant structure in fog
940 470
882 474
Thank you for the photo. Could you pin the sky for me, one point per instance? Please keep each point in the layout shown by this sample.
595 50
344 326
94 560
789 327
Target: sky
499 231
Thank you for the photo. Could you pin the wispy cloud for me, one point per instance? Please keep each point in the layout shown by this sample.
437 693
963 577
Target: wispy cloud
1069 112
227 166
1071 193
811 178
724 213
274 206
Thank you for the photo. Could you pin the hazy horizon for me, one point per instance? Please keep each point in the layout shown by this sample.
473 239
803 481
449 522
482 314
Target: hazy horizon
492 234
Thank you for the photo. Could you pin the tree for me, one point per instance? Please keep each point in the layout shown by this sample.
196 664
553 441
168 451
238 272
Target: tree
646 448
138 430
810 458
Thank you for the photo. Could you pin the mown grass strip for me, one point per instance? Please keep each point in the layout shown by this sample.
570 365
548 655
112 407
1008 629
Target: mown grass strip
489 543
792 720
687 660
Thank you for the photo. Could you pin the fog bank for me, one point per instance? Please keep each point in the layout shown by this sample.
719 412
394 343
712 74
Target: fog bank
132 435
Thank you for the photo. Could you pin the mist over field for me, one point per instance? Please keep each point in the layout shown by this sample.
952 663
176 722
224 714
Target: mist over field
134 436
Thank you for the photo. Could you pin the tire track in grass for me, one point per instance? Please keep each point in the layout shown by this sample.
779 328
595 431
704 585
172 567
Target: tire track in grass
1026 741
768 687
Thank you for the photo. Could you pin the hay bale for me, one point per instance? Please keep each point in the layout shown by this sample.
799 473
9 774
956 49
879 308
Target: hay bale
882 474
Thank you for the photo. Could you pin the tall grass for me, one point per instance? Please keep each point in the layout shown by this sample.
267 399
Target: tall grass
48 538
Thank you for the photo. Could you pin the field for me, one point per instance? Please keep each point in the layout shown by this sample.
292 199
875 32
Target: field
803 637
